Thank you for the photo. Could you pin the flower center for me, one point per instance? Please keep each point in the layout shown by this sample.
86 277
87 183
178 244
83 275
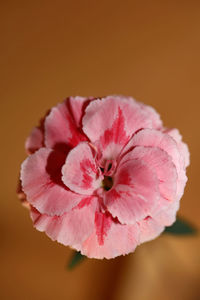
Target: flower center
107 183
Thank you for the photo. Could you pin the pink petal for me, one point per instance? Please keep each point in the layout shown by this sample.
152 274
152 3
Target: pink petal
111 121
153 115
155 138
183 148
61 131
183 161
80 172
167 216
134 193
41 182
103 223
35 140
77 105
159 161
149 229
70 229
118 239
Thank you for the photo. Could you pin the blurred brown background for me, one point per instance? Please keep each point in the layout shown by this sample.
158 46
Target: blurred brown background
52 49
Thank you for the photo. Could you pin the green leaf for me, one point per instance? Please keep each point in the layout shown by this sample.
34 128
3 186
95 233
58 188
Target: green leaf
180 227
76 259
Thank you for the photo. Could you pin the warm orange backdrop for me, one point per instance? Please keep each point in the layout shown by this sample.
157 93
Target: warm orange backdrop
52 49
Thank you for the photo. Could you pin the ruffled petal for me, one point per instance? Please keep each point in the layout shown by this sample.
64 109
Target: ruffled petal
167 216
183 148
35 140
149 229
61 130
80 172
184 159
77 105
110 238
110 122
70 229
42 184
153 115
155 138
134 194
158 160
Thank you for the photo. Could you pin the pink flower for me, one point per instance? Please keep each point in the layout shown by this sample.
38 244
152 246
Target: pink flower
103 175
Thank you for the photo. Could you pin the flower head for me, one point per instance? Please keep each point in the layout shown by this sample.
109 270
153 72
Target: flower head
103 175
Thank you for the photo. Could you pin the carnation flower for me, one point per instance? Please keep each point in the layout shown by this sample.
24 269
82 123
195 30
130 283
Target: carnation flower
103 175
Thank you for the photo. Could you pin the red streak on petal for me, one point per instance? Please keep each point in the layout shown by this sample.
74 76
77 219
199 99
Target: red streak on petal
87 181
85 202
103 223
77 136
124 178
87 167
116 133
113 194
